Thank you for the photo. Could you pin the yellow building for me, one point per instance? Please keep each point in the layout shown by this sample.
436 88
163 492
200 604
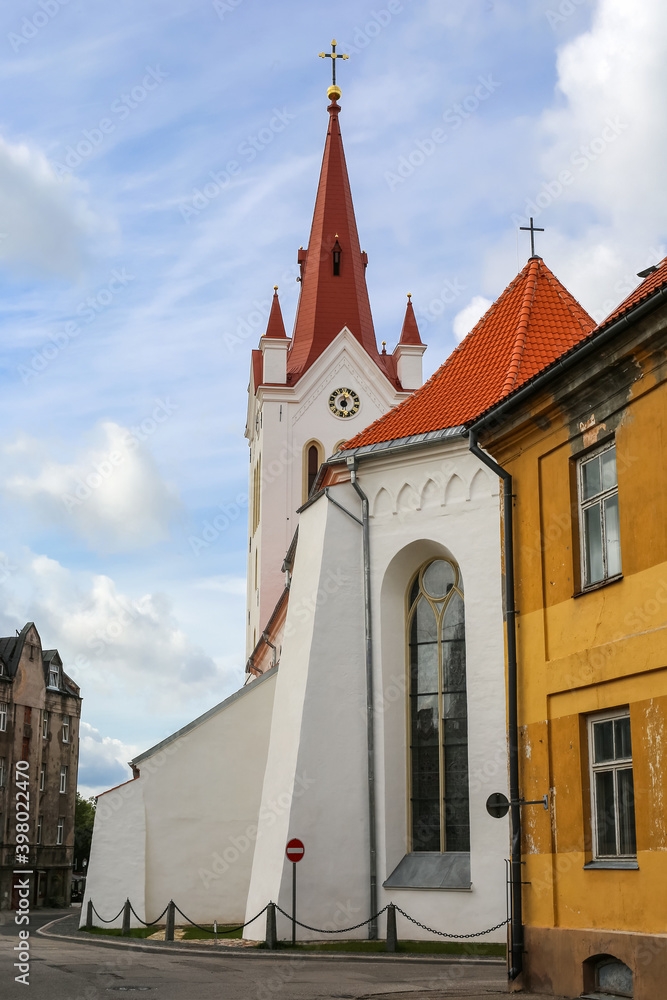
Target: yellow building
584 444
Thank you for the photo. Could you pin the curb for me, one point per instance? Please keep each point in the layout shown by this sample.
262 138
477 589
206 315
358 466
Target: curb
282 954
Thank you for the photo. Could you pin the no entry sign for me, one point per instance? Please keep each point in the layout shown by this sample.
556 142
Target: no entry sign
295 850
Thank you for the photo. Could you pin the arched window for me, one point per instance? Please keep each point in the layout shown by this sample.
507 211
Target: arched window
313 456
438 726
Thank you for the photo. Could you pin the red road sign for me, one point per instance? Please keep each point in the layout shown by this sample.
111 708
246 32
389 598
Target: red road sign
295 850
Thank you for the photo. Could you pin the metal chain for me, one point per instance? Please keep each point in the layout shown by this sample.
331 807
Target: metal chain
432 930
339 930
112 919
149 923
226 930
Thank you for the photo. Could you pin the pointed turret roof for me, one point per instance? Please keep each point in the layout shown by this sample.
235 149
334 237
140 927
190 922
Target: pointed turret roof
410 331
532 323
332 295
275 327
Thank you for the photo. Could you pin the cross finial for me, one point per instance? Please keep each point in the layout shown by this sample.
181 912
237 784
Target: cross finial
532 230
333 55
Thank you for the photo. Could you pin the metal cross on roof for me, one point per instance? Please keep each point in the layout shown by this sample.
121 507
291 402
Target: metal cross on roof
333 55
532 230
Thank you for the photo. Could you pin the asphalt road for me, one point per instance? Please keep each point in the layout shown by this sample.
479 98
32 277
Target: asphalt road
87 970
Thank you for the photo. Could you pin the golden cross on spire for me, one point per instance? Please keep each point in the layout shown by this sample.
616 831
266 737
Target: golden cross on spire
333 55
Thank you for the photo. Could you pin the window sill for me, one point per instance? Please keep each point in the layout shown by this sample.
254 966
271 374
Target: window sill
431 870
616 864
598 586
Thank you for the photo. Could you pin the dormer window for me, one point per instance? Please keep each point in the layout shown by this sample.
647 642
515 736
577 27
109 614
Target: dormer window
54 676
336 258
2 668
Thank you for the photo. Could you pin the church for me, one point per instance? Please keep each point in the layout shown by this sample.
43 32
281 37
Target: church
372 724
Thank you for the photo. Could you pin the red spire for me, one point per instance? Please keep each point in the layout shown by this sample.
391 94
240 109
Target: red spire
333 289
410 331
275 327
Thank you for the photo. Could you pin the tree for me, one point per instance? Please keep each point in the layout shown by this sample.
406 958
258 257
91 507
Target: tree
84 817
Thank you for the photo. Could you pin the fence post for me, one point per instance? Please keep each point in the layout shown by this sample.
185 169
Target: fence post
89 914
126 919
171 917
271 936
392 940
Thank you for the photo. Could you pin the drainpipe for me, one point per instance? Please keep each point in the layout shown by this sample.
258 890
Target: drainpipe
516 924
370 733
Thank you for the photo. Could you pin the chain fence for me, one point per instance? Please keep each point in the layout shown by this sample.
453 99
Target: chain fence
224 929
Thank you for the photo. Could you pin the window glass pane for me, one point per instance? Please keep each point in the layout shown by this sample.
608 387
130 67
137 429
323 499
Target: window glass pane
439 578
605 813
426 773
622 738
603 737
626 812
425 825
608 461
425 720
613 535
590 477
593 544
424 668
425 623
453 646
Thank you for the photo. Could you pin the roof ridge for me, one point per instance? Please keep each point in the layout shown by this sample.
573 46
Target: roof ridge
522 329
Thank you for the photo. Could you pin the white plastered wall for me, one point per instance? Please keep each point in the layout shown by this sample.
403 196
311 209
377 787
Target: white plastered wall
195 806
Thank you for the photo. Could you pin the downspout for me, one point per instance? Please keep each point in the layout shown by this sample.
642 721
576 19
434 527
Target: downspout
516 925
370 728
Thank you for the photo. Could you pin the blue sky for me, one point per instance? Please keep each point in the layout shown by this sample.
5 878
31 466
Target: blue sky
158 167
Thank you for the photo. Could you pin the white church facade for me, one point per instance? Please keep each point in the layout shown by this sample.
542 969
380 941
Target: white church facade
372 725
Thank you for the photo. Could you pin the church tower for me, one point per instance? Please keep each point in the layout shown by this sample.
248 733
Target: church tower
310 392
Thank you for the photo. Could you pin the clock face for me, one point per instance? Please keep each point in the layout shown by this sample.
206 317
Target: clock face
344 402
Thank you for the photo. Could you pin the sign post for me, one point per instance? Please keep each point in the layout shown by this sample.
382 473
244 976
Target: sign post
294 852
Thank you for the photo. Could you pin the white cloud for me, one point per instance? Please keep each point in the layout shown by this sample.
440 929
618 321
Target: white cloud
466 318
102 761
111 494
45 221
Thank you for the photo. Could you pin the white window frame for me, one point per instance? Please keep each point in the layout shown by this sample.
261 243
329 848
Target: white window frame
63 779
65 728
45 725
54 675
4 711
616 765
40 824
42 777
60 831
583 505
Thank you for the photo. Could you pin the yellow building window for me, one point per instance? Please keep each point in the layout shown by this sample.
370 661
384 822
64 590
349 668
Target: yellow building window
612 785
599 529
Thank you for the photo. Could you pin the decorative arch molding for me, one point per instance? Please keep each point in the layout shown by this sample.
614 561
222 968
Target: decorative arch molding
408 499
312 458
431 495
455 490
480 486
383 505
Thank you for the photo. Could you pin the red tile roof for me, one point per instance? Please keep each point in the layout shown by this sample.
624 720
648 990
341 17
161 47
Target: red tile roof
532 323
650 284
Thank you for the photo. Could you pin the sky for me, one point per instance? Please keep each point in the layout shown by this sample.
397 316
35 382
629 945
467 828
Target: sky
158 169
